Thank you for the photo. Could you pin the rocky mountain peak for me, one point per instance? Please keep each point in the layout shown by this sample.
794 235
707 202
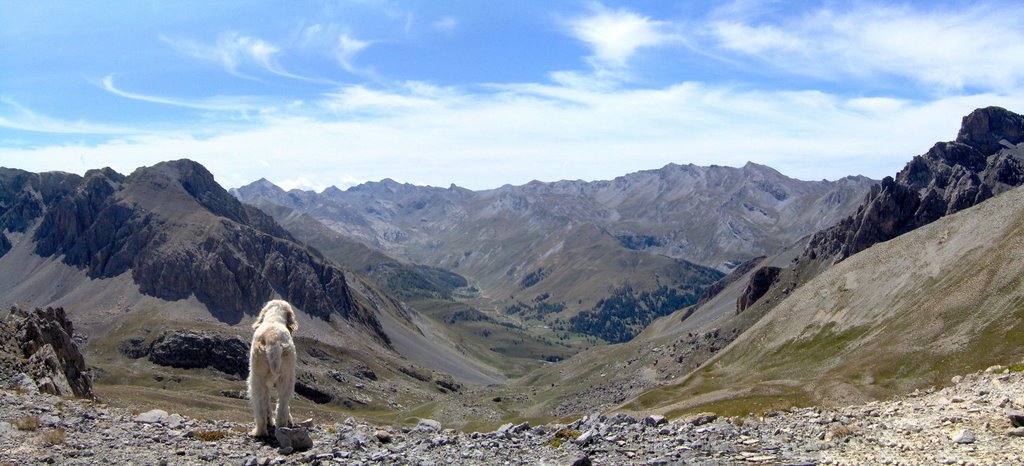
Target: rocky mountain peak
180 234
986 128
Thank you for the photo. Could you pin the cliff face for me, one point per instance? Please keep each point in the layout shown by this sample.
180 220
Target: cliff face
180 234
983 161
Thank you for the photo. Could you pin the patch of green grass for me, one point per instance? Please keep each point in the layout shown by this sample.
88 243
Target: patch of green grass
563 435
823 345
744 405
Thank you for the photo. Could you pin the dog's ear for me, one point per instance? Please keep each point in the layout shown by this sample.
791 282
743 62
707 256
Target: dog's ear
259 319
293 323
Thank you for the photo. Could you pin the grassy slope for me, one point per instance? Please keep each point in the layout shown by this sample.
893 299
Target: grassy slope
945 299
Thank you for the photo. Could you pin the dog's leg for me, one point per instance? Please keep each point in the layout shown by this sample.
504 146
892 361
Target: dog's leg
258 397
285 389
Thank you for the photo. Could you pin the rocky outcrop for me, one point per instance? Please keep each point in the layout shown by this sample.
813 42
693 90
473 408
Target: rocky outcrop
41 345
189 350
711 291
179 234
762 279
985 160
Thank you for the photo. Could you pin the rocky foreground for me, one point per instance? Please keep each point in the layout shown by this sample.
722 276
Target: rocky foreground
967 423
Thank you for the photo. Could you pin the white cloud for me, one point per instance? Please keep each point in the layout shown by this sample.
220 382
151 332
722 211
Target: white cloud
515 133
301 182
616 35
232 51
348 48
339 43
233 104
948 49
445 24
16 116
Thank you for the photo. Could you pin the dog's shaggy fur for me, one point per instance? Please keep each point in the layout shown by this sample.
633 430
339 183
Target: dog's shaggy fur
272 363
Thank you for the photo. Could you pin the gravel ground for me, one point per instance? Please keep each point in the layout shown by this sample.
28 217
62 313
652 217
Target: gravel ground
966 423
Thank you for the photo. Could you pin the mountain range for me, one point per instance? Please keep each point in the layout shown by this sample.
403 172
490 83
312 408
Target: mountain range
602 258
729 289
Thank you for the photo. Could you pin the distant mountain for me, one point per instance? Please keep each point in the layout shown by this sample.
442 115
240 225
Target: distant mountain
551 251
757 210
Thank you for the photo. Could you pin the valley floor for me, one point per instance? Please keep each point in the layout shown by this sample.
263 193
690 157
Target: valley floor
966 423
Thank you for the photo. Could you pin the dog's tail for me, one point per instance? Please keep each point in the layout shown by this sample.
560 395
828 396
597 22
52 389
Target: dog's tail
274 354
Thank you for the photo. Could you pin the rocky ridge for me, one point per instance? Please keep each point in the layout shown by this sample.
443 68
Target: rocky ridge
179 234
974 421
984 160
38 352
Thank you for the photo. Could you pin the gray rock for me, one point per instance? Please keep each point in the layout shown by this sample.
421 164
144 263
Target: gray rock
383 436
655 420
48 420
622 418
963 436
1016 420
1015 432
152 417
297 438
236 394
586 438
355 439
503 431
520 428
173 421
25 383
189 349
700 419
428 425
582 461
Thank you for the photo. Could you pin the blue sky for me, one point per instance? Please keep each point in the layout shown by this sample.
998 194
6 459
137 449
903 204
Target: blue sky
316 93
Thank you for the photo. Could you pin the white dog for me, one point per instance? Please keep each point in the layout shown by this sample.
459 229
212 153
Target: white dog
272 362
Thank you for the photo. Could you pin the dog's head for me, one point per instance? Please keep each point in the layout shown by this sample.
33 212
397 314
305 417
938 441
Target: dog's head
278 310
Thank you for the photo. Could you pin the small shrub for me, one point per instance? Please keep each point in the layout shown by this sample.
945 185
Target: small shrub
843 431
1016 368
53 437
208 435
29 423
738 421
563 435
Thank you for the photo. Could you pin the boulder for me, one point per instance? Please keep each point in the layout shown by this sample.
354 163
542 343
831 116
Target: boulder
190 349
963 436
154 416
427 425
297 439
655 420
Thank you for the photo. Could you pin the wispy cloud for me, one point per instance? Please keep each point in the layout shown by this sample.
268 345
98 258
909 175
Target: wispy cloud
616 35
981 46
16 116
338 43
235 52
233 104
